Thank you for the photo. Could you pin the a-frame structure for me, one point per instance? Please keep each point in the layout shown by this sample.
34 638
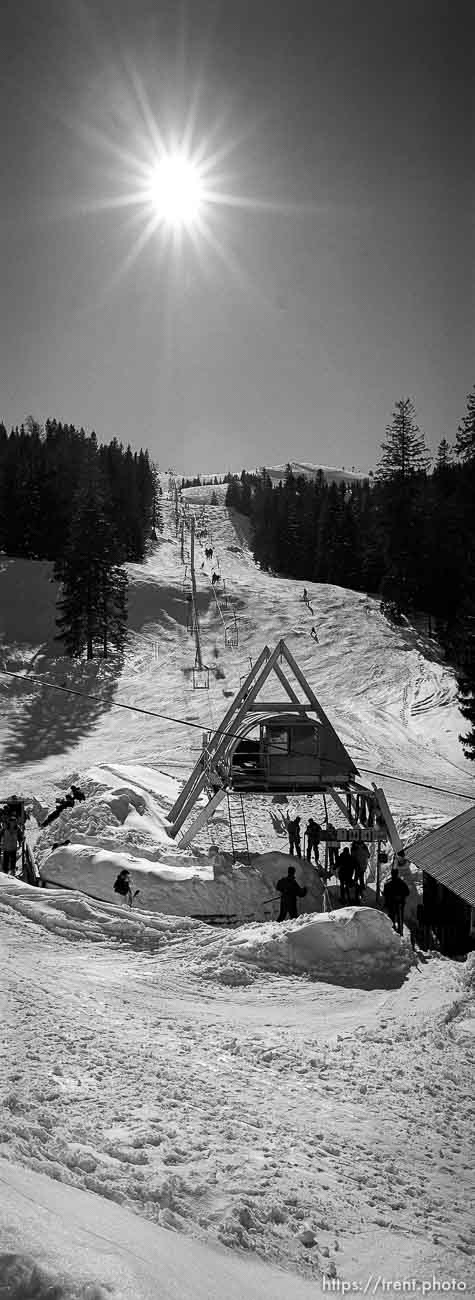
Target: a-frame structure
297 751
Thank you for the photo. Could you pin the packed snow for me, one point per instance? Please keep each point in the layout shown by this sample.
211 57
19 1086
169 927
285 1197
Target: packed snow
283 1100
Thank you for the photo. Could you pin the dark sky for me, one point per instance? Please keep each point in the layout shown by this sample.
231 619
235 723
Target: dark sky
294 327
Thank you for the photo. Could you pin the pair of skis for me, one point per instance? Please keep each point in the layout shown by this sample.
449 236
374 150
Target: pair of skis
132 897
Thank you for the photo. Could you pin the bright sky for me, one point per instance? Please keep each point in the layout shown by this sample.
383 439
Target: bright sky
325 267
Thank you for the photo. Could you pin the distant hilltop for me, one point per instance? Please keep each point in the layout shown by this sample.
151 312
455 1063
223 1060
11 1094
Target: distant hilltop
304 469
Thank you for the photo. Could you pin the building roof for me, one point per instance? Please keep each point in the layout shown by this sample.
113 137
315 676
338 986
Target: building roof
448 854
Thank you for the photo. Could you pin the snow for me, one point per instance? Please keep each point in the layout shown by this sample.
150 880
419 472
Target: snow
255 1105
355 945
75 1247
306 469
240 1114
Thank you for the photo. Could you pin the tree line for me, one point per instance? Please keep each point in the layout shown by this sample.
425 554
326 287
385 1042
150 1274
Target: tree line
87 507
408 534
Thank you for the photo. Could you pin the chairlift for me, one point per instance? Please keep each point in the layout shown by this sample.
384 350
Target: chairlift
201 678
231 635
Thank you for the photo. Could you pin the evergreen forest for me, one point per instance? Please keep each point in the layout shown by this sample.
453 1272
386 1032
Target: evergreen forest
87 507
407 534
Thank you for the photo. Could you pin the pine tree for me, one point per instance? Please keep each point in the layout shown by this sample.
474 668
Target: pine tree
92 604
465 440
444 455
404 451
401 473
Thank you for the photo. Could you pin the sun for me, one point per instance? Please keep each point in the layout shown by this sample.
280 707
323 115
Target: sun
176 191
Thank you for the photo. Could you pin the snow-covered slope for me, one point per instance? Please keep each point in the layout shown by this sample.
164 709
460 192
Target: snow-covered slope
320 1128
77 1247
267 1089
385 689
307 469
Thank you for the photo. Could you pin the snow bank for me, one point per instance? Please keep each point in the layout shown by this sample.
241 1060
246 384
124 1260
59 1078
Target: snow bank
62 1243
355 946
212 886
124 825
71 915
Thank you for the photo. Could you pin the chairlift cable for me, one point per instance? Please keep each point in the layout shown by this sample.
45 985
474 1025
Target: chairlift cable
198 726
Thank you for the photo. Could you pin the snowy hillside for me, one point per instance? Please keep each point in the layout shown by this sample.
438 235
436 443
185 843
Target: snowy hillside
292 1097
391 699
305 469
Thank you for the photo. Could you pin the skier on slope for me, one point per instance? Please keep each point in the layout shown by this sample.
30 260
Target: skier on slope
289 890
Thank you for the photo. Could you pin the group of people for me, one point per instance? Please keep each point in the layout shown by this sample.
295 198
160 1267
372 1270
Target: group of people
349 865
312 836
74 795
305 598
312 839
351 871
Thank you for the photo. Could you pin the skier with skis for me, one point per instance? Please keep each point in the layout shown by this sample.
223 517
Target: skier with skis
123 886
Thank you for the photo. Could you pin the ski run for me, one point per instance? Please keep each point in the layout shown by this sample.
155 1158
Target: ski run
252 1109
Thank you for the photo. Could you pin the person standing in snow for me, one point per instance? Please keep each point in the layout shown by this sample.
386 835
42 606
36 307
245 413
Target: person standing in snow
345 875
10 846
395 893
289 890
332 848
313 834
359 857
123 886
293 828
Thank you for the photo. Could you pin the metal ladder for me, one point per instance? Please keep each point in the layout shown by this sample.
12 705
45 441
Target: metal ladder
238 828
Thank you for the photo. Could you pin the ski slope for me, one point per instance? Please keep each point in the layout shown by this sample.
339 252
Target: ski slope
390 698
222 1091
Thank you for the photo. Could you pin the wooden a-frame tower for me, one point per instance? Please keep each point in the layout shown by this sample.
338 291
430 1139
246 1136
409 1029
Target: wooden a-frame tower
298 751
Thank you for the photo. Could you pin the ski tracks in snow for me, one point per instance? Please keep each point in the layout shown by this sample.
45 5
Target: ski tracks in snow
243 1117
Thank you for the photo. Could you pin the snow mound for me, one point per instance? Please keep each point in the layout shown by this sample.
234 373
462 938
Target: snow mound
21 1278
355 946
71 915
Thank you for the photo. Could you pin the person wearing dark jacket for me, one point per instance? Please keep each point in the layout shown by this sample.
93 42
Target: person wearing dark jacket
345 875
360 858
293 830
313 834
10 842
123 886
289 890
395 892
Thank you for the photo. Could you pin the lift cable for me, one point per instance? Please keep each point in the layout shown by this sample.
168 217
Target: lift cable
198 726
